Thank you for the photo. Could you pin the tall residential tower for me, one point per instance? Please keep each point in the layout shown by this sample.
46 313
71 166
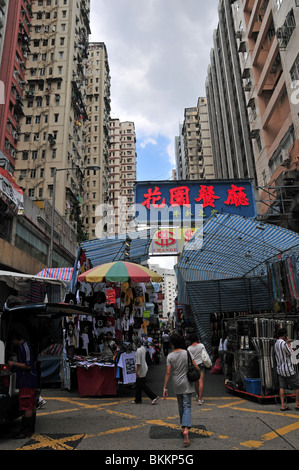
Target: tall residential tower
53 138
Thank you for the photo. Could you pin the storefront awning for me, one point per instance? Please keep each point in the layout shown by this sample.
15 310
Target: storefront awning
230 246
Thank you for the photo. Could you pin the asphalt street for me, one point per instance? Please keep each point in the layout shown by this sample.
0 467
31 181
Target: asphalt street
225 422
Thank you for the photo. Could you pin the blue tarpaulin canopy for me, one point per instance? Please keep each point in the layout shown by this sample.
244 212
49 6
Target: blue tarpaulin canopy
106 250
224 267
230 246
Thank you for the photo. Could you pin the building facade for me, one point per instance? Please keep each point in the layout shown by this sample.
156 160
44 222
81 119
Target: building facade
123 175
180 155
14 49
3 18
230 135
96 183
168 289
53 137
267 37
193 150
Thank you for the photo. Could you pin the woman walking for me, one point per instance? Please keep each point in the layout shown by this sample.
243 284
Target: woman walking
177 366
196 349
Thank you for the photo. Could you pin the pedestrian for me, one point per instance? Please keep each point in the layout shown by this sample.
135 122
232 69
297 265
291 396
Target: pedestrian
196 349
285 369
141 371
26 382
177 366
166 343
109 345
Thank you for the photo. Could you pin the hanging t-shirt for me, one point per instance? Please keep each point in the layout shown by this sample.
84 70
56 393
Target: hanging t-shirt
128 296
128 364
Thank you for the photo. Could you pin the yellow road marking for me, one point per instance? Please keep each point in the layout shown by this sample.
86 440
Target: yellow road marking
272 435
55 444
85 404
233 403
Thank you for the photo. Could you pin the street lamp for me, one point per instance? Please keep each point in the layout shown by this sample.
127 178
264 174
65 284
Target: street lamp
51 250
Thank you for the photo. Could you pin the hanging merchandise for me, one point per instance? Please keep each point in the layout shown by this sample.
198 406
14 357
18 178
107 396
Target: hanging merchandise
250 366
283 284
128 365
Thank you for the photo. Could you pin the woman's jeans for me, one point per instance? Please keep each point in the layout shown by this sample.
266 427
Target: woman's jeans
184 403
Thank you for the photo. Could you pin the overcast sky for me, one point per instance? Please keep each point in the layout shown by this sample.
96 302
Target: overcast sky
158 51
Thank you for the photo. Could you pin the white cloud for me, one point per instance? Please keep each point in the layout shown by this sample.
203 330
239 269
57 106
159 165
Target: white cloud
159 51
148 141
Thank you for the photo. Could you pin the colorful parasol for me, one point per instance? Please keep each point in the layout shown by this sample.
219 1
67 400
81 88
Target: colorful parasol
119 271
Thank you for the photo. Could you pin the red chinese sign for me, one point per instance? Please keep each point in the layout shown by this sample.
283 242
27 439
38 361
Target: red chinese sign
237 197
172 201
152 197
207 196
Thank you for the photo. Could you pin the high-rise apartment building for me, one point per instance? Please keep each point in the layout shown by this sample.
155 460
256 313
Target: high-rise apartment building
197 162
123 174
96 183
205 139
228 119
180 155
53 134
267 35
3 18
14 47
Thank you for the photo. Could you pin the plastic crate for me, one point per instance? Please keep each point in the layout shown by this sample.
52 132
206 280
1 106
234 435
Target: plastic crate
253 386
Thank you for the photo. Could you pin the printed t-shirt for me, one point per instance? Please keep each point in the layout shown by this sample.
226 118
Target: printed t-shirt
128 365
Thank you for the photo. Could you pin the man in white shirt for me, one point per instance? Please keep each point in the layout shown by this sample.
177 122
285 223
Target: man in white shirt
141 371
285 369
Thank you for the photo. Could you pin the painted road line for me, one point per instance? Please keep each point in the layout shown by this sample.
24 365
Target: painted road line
271 435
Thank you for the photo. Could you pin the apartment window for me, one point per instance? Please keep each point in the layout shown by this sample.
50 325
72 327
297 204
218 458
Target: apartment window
294 72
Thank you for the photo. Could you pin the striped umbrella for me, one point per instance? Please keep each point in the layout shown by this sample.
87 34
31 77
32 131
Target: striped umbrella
119 271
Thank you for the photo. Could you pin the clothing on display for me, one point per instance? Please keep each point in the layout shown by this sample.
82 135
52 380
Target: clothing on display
119 309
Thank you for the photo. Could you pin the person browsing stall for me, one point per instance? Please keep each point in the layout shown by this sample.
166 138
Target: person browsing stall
285 369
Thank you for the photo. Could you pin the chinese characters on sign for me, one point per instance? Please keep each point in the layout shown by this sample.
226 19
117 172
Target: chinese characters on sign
180 197
165 201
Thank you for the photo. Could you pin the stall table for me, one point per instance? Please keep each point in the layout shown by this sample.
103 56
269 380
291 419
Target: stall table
96 380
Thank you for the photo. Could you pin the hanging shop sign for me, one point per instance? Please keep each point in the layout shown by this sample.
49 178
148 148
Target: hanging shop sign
178 202
11 192
170 240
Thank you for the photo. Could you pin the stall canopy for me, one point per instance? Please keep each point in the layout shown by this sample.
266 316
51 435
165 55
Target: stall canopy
34 288
224 266
106 250
230 246
63 274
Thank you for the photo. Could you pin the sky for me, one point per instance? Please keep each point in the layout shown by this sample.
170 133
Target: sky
158 52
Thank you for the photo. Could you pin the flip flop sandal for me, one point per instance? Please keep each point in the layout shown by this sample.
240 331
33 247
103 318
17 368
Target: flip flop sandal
285 409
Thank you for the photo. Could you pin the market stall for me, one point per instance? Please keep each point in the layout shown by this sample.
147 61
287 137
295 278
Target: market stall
249 358
233 271
100 348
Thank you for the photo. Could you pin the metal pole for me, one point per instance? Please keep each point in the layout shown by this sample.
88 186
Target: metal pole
50 257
